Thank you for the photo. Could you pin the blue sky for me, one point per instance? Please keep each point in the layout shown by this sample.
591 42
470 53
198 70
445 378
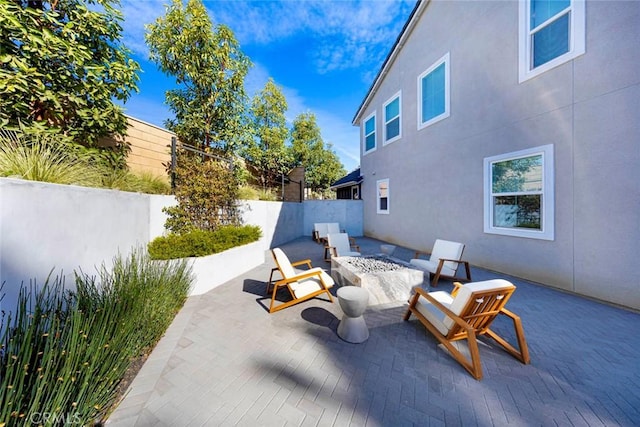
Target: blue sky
323 54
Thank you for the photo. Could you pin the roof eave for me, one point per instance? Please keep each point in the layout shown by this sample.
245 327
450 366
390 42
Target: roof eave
399 43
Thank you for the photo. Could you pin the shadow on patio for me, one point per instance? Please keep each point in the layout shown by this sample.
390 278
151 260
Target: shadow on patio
226 361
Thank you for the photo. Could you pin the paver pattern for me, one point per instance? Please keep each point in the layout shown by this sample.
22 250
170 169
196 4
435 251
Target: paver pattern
226 361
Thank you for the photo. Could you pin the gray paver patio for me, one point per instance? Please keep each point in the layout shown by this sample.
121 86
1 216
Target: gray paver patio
226 361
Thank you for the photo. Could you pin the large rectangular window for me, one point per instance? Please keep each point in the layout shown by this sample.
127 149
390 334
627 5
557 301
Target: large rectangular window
519 193
382 196
392 119
369 134
552 32
433 93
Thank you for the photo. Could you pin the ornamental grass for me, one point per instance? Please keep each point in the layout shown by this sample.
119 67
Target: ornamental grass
64 353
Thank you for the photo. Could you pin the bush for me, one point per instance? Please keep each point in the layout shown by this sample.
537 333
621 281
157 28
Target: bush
65 353
201 243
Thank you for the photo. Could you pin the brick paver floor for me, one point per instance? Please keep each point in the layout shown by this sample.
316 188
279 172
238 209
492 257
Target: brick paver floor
226 361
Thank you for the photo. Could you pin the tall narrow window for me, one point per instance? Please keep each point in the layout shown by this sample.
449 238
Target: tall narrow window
433 93
382 196
369 133
519 193
392 119
552 32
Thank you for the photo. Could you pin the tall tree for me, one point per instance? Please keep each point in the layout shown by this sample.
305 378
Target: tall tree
62 65
267 152
209 67
322 165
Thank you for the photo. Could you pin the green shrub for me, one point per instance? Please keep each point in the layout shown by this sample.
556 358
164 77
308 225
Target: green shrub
201 243
64 353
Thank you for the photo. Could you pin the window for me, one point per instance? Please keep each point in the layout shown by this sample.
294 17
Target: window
383 196
392 122
552 32
519 199
433 93
369 143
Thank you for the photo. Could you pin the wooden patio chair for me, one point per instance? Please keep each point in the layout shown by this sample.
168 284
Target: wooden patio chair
467 313
302 285
340 244
444 260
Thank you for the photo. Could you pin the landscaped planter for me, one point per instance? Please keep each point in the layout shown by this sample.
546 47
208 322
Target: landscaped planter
213 270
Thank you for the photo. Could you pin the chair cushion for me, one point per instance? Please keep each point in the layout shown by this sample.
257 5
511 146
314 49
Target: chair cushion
444 323
283 262
333 227
447 250
432 313
432 267
309 285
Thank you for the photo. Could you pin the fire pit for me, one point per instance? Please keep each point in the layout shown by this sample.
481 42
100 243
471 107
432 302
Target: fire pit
387 279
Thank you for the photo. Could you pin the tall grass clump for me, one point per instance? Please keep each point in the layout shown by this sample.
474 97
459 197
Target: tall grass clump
42 157
65 353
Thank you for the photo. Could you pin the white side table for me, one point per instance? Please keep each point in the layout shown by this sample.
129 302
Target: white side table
353 301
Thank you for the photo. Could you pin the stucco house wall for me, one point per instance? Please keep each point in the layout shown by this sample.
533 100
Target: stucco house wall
588 109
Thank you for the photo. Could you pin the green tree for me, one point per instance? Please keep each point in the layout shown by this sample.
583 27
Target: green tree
321 163
209 67
267 152
62 65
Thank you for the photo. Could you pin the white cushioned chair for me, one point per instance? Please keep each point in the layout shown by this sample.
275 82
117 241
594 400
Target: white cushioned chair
340 244
465 314
444 260
302 285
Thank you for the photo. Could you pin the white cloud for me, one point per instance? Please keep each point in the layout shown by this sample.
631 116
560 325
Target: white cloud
347 34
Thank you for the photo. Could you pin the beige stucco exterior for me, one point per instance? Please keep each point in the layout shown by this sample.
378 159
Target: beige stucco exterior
588 109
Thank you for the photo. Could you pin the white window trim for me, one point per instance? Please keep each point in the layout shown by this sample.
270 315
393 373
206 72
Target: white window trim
378 210
548 197
397 96
577 43
446 113
364 134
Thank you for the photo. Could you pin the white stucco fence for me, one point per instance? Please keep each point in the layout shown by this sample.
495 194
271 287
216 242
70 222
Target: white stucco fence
49 228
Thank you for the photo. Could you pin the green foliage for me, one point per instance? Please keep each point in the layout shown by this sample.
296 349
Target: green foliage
322 165
209 67
48 156
65 353
267 153
201 243
247 192
43 157
143 182
206 191
62 66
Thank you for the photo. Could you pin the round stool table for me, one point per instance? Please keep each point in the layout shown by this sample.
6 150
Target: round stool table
353 301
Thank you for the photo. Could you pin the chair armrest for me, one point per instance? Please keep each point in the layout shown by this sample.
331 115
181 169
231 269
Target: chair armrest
301 262
456 288
418 253
304 275
452 260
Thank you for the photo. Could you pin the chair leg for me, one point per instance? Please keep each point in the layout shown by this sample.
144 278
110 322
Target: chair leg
473 366
523 354
274 269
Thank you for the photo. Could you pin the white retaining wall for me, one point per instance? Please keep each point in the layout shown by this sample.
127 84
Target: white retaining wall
49 228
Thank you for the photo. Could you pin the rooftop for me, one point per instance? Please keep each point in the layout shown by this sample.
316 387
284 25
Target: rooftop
226 361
